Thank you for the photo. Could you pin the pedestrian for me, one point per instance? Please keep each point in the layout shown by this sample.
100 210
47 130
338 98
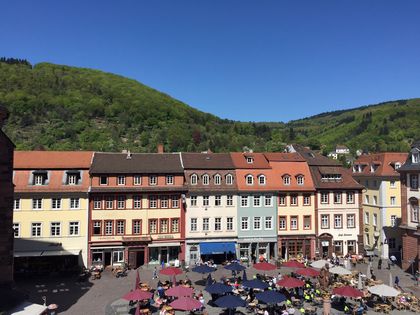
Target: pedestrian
155 275
389 264
397 281
162 264
380 264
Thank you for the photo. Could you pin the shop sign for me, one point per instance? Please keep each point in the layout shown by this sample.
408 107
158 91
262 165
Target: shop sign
136 239
193 248
344 235
165 237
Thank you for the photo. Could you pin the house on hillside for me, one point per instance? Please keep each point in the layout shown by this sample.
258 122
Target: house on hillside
339 150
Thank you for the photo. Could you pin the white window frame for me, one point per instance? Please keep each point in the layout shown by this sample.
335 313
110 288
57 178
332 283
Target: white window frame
325 197
206 201
74 228
282 223
249 179
229 200
193 201
97 203
244 201
37 203
325 221
262 180
170 180
350 197
72 179
74 203
294 200
16 204
217 179
351 218
256 200
164 202
268 200
300 180
218 224
153 180
174 202
244 223
153 202
229 179
415 157
338 221
218 201
393 220
206 224
16 229
121 180
306 200
338 197
137 180
55 229
393 200
205 179
56 203
194 179
137 201
268 223
286 180
38 227
121 202
193 224
257 223
367 217
294 218
229 224
118 225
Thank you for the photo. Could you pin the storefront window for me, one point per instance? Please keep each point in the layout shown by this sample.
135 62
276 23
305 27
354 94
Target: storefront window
351 247
118 256
244 251
173 253
154 255
262 251
338 247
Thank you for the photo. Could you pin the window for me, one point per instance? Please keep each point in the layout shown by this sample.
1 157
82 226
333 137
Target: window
337 197
56 203
293 200
217 224
229 200
350 197
206 224
244 201
414 205
164 226
74 228
103 180
257 201
16 204
392 200
375 219
366 217
351 221
121 180
137 180
338 221
294 222
37 203
36 229
74 203
229 223
206 201
193 201
338 247
261 180
307 222
205 179
118 256
393 220
164 201
268 223
152 180
73 178
249 180
286 180
244 223
367 239
249 160
55 229
137 202
300 180
121 202
97 227
415 157
392 184
229 179
175 225
375 200
109 226
397 165
109 202
217 179
194 179
366 198
324 197
282 200
40 178
282 223
306 200
217 200
414 181
351 247
175 202
97 203
169 179
120 227
136 226
392 243
268 200
16 230
153 202
325 221
153 223
193 224
257 223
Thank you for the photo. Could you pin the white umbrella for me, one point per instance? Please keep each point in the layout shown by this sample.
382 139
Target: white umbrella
340 271
384 290
321 264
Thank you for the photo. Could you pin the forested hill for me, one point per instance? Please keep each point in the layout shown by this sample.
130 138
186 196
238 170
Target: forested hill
57 107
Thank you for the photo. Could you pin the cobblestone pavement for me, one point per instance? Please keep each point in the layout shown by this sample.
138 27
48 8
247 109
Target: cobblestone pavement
95 297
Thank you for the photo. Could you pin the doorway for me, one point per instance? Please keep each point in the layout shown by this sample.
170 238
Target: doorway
139 258
107 259
164 255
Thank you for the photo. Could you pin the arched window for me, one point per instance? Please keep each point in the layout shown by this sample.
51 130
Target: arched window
261 180
414 209
229 179
205 179
217 179
300 179
286 180
249 180
194 179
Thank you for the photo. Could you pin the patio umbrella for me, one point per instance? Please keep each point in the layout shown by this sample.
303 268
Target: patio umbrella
255 284
137 295
186 304
235 267
290 282
203 269
270 297
307 272
348 291
179 291
244 277
338 270
230 301
171 271
218 288
137 284
383 290
321 264
293 264
264 266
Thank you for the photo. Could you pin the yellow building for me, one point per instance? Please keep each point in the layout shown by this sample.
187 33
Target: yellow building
381 201
50 210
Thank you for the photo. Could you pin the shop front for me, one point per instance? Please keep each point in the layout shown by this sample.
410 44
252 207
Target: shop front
339 246
257 249
218 252
113 255
296 247
167 253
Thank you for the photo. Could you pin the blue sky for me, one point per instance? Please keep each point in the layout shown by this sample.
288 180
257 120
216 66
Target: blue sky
238 59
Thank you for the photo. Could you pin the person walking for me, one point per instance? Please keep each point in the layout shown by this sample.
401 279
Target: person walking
397 281
380 264
155 275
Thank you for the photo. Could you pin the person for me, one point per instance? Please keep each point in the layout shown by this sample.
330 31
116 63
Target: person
176 263
155 275
417 275
380 264
162 264
202 301
393 260
397 281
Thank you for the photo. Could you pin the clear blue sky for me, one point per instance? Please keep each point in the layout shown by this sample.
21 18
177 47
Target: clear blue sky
242 60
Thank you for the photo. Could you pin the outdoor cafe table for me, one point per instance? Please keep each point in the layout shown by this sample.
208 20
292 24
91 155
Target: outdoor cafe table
383 308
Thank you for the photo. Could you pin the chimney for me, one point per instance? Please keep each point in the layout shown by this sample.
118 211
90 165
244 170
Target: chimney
160 148
4 114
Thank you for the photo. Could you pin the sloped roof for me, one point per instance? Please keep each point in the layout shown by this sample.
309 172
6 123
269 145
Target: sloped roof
283 157
240 160
385 162
313 158
346 182
52 160
207 161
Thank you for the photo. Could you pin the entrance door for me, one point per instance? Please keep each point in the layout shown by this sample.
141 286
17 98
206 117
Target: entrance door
107 260
326 244
164 255
139 258
132 260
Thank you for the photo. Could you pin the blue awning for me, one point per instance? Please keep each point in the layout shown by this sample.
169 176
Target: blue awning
217 248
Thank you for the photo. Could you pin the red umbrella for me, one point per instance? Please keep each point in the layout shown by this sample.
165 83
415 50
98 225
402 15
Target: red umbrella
348 291
171 271
307 272
290 282
137 295
186 304
293 264
179 291
265 266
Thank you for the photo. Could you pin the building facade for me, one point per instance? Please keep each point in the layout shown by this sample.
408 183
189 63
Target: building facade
381 201
50 209
410 195
137 213
211 216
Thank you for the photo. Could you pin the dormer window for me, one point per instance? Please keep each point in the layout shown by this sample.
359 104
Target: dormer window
194 179
249 180
373 168
229 179
357 168
152 180
300 179
415 157
249 159
205 179
397 165
286 180
217 179
103 180
40 178
261 179
73 178
169 180
121 180
137 180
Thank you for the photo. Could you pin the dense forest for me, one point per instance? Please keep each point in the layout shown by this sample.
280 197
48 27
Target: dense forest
57 107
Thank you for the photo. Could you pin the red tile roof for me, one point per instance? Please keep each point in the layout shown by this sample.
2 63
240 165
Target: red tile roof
385 162
33 160
240 160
